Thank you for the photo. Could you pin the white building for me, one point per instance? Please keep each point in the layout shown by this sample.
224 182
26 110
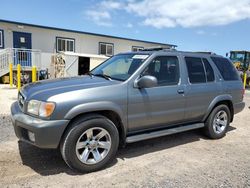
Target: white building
44 41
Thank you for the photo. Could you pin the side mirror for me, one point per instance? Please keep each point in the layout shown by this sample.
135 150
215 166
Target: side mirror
146 82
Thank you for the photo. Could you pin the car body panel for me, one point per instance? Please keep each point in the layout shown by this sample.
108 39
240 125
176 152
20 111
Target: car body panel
138 109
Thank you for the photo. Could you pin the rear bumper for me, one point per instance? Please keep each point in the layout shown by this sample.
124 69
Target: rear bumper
238 107
47 133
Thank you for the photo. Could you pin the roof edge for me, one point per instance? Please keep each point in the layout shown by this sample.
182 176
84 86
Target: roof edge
82 32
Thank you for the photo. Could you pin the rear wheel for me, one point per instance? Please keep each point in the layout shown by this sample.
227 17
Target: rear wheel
90 144
218 121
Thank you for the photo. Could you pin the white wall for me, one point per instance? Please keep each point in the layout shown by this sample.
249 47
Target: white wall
45 40
45 60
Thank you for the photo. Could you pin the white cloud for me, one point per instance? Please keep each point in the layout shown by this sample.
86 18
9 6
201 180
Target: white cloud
111 5
101 18
101 12
173 13
190 13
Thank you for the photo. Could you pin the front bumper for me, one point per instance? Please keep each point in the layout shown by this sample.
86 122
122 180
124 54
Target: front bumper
238 107
47 133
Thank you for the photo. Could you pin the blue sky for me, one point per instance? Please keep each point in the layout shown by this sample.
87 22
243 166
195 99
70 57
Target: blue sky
218 26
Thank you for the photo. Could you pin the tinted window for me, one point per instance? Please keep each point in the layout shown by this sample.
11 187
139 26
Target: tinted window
165 69
209 70
196 71
226 68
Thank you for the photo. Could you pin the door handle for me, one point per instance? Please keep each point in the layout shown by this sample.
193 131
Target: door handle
180 91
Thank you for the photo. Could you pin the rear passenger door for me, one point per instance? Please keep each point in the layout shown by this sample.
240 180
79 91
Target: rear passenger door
201 88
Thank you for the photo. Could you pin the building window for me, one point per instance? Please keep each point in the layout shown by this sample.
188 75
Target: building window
106 49
65 44
137 48
1 39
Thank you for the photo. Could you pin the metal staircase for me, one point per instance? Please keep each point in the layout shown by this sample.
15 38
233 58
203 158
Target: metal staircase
5 59
25 57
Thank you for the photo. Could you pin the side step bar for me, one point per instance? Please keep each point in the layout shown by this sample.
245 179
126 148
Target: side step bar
154 134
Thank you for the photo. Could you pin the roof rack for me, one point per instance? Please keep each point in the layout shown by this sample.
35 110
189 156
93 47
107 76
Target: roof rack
158 48
210 53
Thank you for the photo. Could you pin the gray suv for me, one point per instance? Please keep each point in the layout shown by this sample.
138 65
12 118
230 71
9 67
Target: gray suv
130 97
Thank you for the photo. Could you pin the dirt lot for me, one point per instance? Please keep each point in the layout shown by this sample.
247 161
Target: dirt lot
182 160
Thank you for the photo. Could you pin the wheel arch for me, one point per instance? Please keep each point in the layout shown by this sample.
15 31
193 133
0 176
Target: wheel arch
110 114
224 99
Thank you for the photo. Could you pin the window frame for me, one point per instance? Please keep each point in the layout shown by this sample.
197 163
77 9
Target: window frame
179 70
2 38
137 47
65 39
204 69
107 44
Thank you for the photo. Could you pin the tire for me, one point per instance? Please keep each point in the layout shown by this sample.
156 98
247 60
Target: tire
86 153
217 122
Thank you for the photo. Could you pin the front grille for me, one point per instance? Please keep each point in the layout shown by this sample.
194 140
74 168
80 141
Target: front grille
21 100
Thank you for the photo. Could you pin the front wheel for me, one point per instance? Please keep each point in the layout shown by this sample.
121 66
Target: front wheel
90 144
217 123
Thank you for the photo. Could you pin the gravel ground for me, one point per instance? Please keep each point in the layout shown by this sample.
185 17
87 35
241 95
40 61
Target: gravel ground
183 160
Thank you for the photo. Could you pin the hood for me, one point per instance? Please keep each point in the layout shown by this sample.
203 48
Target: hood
48 88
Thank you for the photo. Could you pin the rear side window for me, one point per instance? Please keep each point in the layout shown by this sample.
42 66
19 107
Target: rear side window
209 70
226 68
196 70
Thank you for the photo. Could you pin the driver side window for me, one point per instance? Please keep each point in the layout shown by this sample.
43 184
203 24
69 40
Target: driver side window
165 69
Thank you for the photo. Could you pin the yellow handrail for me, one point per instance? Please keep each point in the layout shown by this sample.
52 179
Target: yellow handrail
18 77
34 74
11 74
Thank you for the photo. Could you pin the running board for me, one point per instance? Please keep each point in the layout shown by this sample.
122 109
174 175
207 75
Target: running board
154 134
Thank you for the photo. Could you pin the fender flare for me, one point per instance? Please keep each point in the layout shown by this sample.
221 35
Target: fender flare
98 106
215 101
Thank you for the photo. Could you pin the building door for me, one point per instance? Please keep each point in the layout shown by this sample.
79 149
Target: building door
83 65
21 43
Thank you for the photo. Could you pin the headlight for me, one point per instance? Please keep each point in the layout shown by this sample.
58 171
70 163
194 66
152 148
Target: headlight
39 108
33 107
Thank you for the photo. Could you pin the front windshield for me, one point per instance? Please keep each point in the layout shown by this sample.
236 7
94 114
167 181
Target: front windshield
237 56
120 67
240 61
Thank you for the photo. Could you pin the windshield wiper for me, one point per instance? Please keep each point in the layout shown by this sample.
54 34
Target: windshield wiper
107 77
90 74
